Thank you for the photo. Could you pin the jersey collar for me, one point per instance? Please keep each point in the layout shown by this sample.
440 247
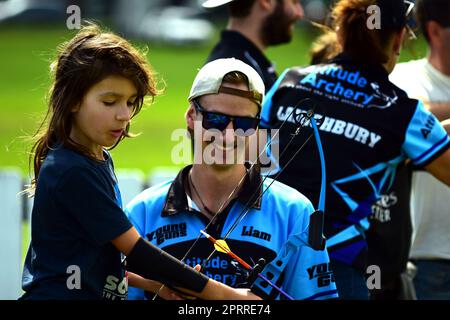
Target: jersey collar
374 69
177 201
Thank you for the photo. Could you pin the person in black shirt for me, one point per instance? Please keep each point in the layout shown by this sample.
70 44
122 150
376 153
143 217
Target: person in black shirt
253 26
79 231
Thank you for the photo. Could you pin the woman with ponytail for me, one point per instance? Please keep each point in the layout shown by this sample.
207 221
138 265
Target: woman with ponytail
369 127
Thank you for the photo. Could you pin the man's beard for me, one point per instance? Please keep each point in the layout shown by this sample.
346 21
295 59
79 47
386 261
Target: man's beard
276 29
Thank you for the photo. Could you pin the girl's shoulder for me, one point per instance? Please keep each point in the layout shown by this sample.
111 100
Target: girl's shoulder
61 162
64 158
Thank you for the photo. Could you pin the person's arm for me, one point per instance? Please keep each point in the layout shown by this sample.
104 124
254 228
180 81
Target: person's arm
427 144
164 292
149 261
440 109
446 125
440 167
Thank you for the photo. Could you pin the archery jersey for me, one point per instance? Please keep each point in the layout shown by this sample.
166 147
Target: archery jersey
389 235
167 217
233 44
368 126
77 211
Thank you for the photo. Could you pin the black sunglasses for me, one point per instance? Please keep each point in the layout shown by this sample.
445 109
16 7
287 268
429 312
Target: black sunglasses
219 121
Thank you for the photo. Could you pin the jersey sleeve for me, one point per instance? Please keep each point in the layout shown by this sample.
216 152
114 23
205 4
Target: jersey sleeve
425 137
83 195
308 274
135 211
266 111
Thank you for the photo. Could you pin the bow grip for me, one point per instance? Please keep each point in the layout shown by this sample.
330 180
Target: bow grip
316 239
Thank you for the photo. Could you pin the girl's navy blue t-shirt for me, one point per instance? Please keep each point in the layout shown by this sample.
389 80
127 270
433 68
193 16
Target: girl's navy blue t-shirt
77 211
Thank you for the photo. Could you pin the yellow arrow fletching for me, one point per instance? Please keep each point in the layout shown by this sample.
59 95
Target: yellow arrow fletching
221 246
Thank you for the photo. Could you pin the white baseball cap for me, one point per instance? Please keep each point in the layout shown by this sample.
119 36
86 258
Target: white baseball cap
215 3
210 77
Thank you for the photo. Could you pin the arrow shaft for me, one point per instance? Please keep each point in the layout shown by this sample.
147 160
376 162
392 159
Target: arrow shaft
238 259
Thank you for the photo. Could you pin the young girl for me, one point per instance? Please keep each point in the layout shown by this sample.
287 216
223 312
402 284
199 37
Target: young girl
79 231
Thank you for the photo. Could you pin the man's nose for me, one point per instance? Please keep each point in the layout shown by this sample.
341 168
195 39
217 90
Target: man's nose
228 133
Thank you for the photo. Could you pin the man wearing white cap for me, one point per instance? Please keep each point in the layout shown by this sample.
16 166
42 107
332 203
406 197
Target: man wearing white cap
228 198
253 26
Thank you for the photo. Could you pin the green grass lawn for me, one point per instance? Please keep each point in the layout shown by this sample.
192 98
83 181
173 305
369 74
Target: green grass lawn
25 55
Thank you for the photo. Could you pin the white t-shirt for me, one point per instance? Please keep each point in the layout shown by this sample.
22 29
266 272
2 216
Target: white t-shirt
430 199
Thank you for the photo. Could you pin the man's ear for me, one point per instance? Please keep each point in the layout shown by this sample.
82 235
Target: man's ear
433 30
191 116
267 5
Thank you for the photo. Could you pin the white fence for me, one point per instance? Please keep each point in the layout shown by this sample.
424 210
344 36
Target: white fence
14 207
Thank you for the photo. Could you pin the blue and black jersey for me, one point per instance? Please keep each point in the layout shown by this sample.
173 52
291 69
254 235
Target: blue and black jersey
77 211
368 127
167 217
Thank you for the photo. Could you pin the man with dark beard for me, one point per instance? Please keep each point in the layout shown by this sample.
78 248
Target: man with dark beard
253 26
